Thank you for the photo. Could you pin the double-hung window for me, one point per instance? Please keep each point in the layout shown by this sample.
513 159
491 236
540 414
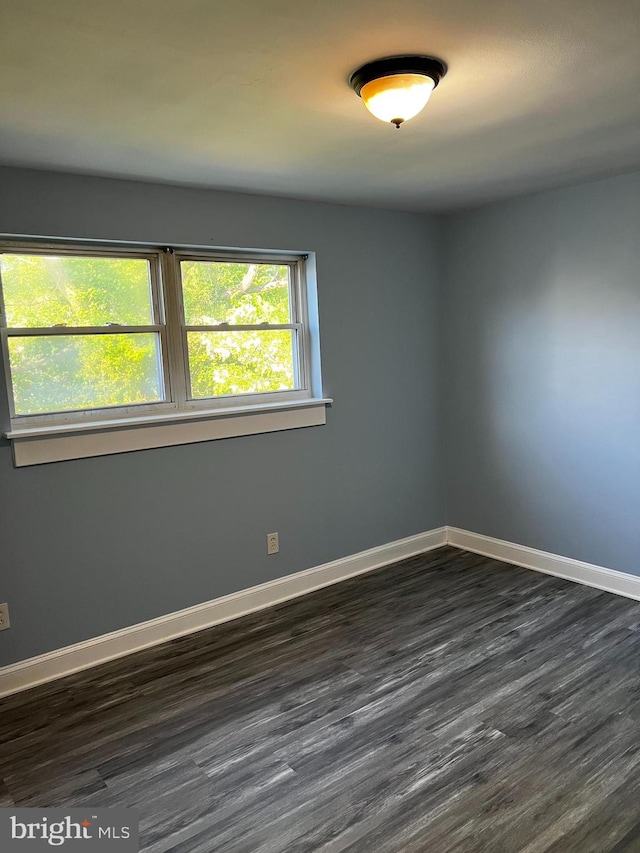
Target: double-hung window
111 348
244 327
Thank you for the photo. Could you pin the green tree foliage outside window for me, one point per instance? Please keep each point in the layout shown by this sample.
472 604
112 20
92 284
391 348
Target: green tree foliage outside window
240 362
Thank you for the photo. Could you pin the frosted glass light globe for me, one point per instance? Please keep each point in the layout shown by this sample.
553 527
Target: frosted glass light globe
397 97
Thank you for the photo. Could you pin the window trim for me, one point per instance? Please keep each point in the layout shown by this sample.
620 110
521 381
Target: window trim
177 419
87 440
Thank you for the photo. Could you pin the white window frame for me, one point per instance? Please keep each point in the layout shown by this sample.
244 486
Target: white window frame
177 419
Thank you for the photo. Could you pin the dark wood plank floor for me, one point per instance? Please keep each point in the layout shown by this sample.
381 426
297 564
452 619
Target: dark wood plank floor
447 703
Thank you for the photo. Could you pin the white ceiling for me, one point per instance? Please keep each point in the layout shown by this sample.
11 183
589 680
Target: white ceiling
253 95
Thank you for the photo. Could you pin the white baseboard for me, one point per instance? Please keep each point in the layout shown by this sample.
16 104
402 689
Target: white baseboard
541 561
57 664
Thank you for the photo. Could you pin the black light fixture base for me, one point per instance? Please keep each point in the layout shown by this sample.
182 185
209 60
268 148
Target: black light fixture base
428 66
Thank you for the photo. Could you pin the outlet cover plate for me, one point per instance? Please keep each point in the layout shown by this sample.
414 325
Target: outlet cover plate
273 543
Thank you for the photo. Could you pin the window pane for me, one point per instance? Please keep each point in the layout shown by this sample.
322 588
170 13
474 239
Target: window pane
223 363
238 294
59 373
45 290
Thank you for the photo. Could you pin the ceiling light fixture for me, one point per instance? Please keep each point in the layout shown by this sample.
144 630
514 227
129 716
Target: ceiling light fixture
397 88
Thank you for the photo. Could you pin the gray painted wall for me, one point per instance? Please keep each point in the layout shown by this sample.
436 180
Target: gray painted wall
530 340
90 546
542 390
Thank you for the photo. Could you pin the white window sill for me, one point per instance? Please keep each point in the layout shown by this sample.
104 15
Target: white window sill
41 444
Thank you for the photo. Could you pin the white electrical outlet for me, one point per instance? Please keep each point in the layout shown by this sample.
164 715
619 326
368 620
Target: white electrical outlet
273 543
4 616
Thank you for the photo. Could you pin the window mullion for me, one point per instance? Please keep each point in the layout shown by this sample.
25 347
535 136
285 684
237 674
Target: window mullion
176 337
160 319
